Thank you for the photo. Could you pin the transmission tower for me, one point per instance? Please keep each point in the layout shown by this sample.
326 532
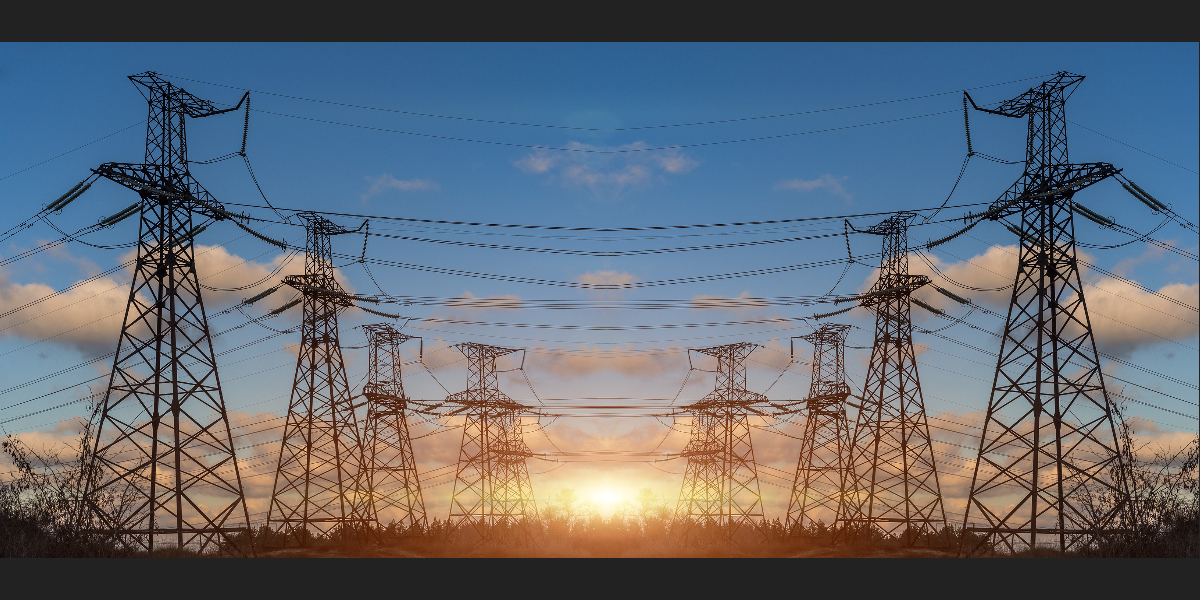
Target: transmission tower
895 482
819 488
720 494
1049 439
318 483
493 497
393 487
164 471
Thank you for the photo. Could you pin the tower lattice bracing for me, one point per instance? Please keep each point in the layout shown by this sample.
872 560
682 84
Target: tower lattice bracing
164 471
493 498
720 497
394 488
1049 439
318 482
895 488
820 487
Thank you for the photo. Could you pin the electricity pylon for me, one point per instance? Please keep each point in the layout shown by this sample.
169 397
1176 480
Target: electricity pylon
493 497
393 487
819 488
318 482
895 488
720 494
164 471
1049 440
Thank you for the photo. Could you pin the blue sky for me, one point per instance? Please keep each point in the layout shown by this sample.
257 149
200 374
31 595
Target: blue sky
58 97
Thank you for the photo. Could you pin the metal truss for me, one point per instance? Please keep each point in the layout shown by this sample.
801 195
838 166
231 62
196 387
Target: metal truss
393 488
720 498
819 488
1049 440
493 498
163 473
319 487
895 488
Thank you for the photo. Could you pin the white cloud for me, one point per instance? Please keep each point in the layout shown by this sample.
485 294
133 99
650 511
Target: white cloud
824 182
88 317
743 301
387 182
1124 317
610 173
606 278
589 360
469 301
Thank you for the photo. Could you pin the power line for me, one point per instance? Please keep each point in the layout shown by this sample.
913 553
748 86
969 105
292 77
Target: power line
72 150
582 150
1133 147
638 128
602 229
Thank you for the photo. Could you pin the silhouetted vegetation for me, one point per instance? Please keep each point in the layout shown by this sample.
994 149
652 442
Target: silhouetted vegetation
40 503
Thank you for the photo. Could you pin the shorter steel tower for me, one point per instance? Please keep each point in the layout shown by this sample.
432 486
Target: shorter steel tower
493 497
318 483
394 489
819 489
896 491
720 495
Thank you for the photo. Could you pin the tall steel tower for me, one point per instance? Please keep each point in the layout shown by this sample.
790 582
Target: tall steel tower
163 440
493 497
720 495
819 488
393 487
1049 437
896 490
318 483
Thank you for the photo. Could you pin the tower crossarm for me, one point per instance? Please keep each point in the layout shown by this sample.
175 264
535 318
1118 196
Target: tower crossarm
1057 183
165 185
182 101
492 402
721 400
894 286
320 286
1034 100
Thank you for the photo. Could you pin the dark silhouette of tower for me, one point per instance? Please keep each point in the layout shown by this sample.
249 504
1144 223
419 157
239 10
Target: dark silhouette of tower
493 497
819 488
318 483
896 490
163 441
1049 438
720 495
393 487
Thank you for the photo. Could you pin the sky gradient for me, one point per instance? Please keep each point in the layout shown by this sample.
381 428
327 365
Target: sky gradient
600 136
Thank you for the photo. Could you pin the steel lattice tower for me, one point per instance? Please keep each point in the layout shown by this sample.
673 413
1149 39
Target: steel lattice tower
720 494
393 487
820 484
493 497
895 482
318 483
1049 436
163 438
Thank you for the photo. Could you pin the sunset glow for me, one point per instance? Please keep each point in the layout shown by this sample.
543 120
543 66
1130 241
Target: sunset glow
577 299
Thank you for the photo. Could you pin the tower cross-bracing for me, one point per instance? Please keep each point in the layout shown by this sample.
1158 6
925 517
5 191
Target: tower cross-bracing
720 497
819 488
1049 439
163 472
895 489
493 498
393 485
319 488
